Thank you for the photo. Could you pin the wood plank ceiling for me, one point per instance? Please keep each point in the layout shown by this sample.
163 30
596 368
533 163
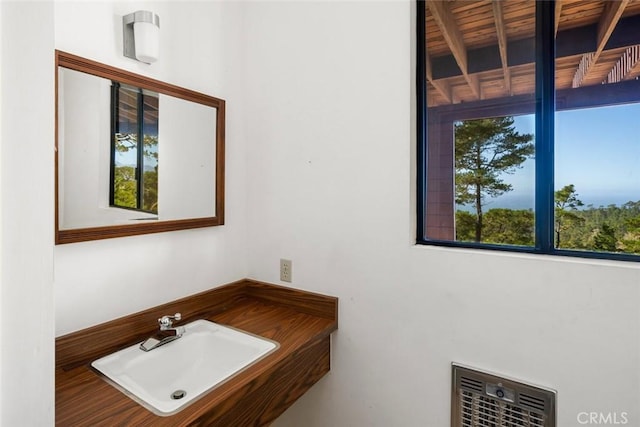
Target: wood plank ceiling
128 106
484 49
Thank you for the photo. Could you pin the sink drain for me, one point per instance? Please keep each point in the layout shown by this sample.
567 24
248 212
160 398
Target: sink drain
178 394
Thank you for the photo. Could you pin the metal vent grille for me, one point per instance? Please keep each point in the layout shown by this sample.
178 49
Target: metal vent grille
483 399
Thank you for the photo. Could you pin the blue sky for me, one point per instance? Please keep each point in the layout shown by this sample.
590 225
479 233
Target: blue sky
596 149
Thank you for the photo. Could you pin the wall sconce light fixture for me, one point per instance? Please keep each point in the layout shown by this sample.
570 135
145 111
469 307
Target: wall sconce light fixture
141 36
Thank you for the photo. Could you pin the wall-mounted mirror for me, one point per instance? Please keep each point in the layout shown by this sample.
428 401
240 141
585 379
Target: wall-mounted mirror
133 155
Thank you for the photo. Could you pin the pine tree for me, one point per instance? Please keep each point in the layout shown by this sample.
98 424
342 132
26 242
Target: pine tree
485 149
566 203
605 239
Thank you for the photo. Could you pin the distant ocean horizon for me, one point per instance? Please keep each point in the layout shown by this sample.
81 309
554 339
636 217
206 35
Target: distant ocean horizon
522 201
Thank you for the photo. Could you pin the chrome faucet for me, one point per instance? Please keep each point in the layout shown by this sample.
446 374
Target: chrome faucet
166 334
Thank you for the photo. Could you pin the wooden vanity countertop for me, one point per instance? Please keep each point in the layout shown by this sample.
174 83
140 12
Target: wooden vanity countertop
301 322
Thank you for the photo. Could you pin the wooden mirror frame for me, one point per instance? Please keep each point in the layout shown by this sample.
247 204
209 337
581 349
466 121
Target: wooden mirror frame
77 63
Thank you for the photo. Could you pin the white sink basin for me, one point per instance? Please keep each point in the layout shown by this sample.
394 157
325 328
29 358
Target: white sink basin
168 378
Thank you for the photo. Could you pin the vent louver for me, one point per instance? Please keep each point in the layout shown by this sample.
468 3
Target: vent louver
472 384
532 402
483 399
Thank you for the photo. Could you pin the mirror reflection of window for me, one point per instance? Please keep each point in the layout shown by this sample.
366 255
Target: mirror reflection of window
134 151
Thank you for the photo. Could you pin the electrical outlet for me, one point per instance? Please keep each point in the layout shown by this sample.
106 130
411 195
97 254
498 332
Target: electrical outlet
285 270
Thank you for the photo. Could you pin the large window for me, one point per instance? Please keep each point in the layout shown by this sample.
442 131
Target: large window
528 133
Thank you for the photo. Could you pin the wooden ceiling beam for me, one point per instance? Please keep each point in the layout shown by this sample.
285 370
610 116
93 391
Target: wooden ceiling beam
502 43
608 21
558 14
443 89
441 86
610 17
474 82
446 22
450 31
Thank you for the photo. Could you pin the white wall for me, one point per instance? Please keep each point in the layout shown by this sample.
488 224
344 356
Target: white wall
102 280
330 141
1 243
27 331
97 281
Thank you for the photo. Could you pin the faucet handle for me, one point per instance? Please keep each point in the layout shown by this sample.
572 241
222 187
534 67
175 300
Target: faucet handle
166 322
